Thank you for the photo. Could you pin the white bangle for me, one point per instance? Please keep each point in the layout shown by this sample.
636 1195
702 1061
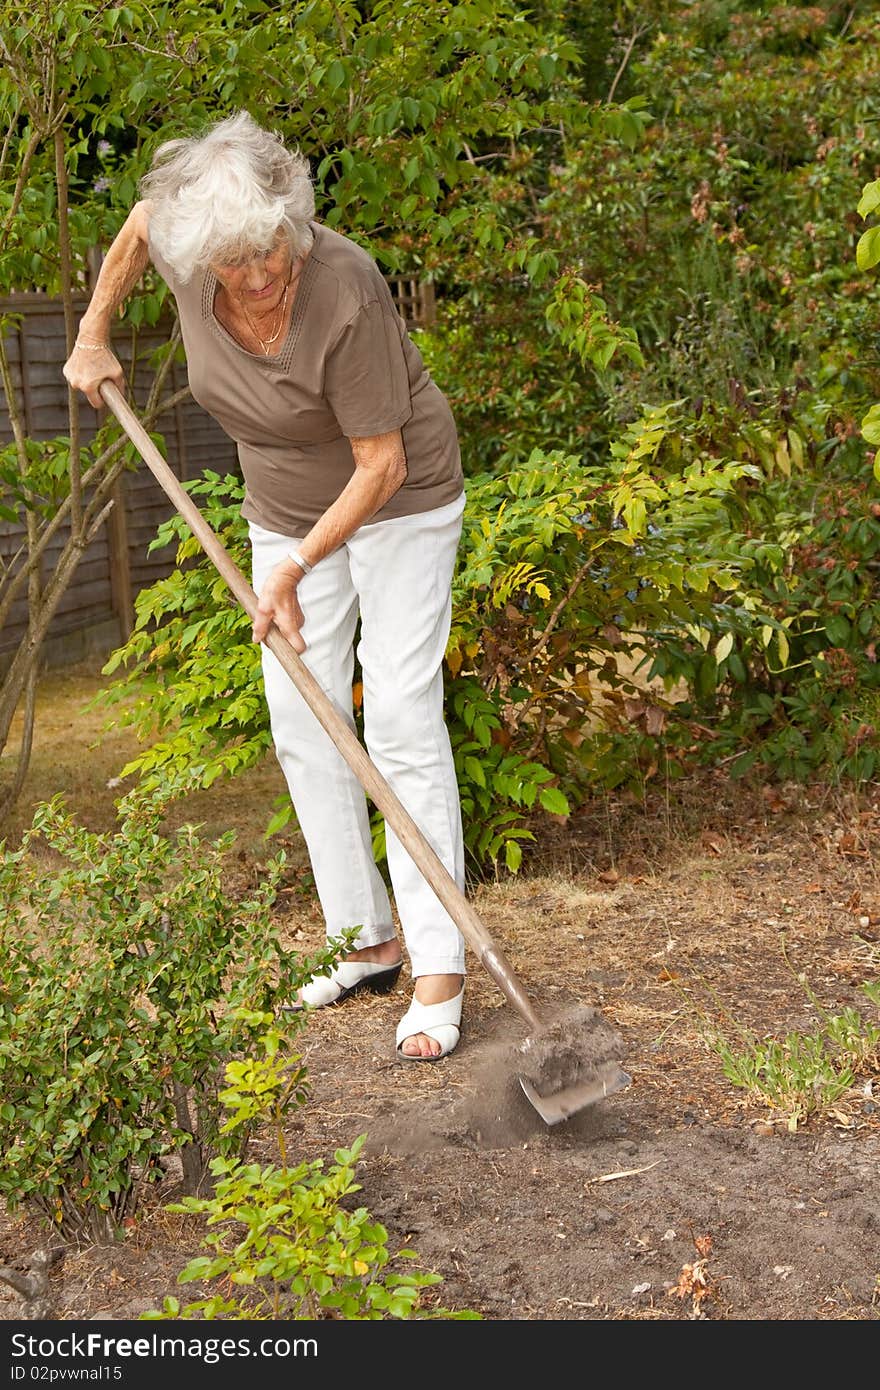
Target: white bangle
93 347
297 559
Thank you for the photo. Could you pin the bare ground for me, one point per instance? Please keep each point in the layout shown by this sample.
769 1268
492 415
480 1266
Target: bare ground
696 908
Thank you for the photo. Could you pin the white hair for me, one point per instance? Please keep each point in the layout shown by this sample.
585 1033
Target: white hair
225 195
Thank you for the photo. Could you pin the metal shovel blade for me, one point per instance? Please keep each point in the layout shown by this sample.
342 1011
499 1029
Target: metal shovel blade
559 1105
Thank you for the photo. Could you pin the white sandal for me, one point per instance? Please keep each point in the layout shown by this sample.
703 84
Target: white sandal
347 978
442 1022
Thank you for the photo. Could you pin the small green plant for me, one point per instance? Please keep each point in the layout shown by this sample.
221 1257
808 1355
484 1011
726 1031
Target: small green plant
803 1075
129 977
854 1037
798 1077
285 1240
871 991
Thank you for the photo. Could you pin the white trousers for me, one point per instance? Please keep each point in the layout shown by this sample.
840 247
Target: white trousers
395 576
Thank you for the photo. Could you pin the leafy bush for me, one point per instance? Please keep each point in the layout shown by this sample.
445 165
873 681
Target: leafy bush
123 974
393 100
729 537
793 687
722 236
190 662
563 570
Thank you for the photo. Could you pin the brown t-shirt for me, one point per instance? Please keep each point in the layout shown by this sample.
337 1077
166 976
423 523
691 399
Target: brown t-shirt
347 368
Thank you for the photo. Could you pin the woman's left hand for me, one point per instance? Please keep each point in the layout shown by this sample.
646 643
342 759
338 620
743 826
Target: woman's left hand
279 603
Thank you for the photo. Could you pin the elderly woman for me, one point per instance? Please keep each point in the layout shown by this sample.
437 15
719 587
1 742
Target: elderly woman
354 501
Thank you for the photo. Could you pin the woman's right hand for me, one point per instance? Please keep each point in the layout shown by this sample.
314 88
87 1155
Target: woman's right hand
279 603
85 370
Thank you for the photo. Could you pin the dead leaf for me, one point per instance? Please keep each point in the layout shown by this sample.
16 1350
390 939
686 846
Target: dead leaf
666 975
655 720
703 1245
774 801
692 1281
609 876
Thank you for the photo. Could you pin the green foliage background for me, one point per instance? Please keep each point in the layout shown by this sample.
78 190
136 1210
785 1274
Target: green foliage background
656 336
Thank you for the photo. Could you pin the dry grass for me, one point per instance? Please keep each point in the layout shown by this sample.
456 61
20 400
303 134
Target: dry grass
77 755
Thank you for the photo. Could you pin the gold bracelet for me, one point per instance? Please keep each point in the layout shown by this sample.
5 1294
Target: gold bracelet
93 347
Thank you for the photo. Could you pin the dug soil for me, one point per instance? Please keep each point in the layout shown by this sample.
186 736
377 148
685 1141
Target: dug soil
702 912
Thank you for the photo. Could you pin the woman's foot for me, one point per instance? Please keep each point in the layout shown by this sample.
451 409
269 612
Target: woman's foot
374 968
431 989
385 953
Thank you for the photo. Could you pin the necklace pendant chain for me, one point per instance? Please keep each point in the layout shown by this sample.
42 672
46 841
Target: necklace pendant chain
266 343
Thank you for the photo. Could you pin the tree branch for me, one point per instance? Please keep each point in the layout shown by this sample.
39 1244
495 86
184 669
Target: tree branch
18 192
73 458
25 748
19 73
557 611
93 472
545 638
631 43
88 478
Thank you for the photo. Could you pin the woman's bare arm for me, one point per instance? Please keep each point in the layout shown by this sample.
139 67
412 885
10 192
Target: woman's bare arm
380 469
92 361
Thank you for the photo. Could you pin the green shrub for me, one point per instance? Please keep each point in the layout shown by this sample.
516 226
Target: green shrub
125 964
563 568
794 686
728 538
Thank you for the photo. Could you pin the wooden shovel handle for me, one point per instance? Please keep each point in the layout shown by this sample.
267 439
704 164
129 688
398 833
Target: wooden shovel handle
420 851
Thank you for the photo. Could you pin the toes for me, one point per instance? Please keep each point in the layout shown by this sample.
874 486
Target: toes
420 1045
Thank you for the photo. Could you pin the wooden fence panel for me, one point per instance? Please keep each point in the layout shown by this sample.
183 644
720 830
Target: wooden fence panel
99 593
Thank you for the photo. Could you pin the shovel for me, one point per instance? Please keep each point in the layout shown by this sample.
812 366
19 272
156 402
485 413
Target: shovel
562 1067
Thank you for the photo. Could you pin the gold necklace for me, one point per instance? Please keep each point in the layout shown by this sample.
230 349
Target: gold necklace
266 343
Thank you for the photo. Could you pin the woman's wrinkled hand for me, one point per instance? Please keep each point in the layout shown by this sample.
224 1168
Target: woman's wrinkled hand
85 370
279 603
